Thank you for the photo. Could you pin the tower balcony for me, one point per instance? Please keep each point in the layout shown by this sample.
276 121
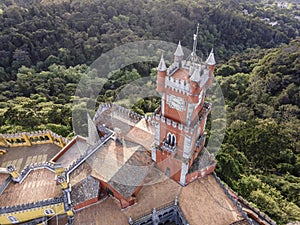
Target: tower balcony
168 147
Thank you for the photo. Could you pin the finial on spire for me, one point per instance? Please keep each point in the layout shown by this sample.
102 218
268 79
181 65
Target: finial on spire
179 52
162 65
211 58
195 42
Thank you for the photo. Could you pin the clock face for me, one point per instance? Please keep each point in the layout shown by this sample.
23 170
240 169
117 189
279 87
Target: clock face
176 102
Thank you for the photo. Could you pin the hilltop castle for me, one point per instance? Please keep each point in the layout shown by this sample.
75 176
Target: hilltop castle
155 168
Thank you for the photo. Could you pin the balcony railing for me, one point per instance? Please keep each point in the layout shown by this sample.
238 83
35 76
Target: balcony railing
168 147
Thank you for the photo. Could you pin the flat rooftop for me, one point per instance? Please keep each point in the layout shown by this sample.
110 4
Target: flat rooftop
75 150
20 157
181 74
202 202
39 185
3 177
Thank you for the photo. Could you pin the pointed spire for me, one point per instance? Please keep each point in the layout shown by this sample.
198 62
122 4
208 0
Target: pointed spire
196 75
162 65
211 58
179 52
93 136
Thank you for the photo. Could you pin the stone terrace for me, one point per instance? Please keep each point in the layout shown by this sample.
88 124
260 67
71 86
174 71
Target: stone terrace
22 156
39 185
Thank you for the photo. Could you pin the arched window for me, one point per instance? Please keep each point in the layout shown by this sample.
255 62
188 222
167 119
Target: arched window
49 211
169 138
173 143
13 219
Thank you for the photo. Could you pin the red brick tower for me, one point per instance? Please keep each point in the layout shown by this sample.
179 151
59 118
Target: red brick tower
181 118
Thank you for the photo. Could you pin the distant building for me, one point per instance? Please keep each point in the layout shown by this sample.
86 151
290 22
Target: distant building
245 12
130 169
283 5
273 23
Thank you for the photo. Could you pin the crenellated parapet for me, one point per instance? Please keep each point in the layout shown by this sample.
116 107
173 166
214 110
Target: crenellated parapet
33 205
177 85
122 111
33 138
158 117
24 173
170 212
30 211
101 109
88 153
119 111
240 203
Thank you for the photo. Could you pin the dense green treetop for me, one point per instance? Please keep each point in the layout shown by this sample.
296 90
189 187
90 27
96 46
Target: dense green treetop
76 32
46 47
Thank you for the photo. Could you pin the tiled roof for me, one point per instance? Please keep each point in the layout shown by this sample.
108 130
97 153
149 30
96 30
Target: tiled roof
204 202
132 173
80 173
123 165
142 133
181 74
86 189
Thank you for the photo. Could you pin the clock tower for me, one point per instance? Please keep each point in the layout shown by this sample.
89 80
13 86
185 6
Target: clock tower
180 120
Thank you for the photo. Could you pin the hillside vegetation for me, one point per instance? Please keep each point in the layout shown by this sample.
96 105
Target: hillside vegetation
77 32
46 47
260 157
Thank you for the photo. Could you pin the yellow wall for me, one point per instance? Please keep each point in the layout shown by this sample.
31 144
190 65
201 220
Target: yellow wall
31 214
24 139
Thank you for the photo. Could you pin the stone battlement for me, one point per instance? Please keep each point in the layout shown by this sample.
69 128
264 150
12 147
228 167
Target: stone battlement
32 138
177 85
167 212
121 111
44 165
158 117
31 206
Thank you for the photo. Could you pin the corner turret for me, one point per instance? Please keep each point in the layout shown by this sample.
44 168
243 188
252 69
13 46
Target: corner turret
161 75
178 55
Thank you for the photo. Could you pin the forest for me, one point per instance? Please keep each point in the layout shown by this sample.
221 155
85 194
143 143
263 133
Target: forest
47 46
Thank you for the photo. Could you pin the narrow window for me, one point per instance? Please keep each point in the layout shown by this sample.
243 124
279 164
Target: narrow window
168 172
49 211
13 219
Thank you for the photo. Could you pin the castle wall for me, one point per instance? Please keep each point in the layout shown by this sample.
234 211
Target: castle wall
23 213
33 138
200 173
108 189
86 203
